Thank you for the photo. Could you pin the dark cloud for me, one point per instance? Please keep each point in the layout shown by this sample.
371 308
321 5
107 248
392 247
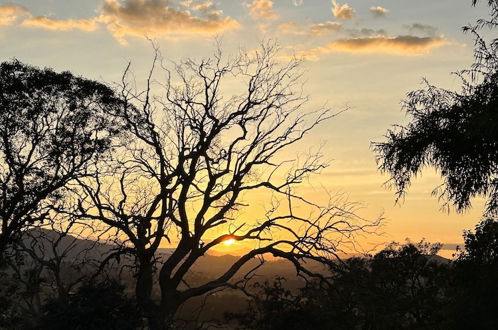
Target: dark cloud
427 30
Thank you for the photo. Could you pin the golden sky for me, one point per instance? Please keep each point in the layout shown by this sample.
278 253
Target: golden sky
361 54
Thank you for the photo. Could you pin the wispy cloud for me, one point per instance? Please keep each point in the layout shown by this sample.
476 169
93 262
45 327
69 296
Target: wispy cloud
262 9
344 11
422 28
293 28
204 6
318 29
325 28
378 11
365 32
61 25
399 45
11 13
186 3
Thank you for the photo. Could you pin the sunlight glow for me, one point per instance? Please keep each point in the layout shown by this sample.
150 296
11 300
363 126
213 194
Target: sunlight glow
229 241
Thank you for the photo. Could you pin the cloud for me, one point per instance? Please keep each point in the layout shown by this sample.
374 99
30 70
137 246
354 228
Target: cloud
203 6
10 13
400 45
342 11
43 22
325 28
378 11
155 18
297 3
421 28
318 29
261 9
292 28
152 18
186 3
365 32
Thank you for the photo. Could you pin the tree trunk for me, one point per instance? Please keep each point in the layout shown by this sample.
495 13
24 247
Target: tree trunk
166 312
3 247
143 293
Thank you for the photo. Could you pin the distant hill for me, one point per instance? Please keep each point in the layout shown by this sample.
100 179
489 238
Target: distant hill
77 250
206 268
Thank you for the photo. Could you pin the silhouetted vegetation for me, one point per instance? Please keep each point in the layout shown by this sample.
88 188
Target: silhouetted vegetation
89 162
476 273
94 181
52 128
401 287
454 132
97 306
404 286
187 161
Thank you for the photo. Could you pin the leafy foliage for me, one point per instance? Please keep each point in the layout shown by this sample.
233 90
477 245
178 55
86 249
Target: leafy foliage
476 272
52 125
401 287
454 132
276 307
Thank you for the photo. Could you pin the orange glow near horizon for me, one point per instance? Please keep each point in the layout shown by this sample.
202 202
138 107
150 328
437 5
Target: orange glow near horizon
354 56
229 242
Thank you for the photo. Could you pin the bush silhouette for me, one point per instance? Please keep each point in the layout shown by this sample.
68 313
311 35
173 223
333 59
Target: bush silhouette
95 306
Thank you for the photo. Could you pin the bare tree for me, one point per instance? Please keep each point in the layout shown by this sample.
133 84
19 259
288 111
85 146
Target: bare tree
190 162
50 261
51 126
62 249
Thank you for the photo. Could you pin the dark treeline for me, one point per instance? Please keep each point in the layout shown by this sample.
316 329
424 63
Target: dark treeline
401 287
404 286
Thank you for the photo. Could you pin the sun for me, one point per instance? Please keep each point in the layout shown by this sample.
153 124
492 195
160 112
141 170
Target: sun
229 241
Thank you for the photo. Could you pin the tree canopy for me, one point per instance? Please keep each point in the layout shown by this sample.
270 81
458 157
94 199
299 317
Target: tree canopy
456 132
52 125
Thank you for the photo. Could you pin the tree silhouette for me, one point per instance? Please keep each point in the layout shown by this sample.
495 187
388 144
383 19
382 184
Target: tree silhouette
54 256
52 125
406 286
190 161
275 307
474 299
401 287
454 132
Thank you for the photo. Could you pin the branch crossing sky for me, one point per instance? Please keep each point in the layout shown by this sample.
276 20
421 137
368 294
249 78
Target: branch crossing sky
361 54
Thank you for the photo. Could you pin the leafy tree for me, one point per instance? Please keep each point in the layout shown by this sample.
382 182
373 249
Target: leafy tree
406 288
475 279
454 132
401 287
481 246
190 161
52 125
275 307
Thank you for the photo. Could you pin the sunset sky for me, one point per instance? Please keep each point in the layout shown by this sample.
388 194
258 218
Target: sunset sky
364 55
